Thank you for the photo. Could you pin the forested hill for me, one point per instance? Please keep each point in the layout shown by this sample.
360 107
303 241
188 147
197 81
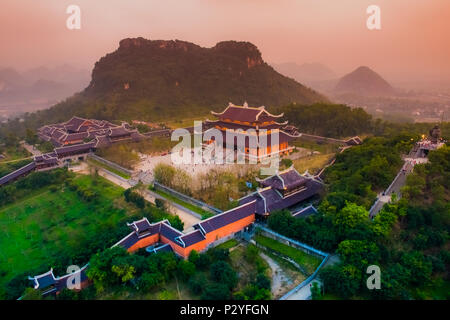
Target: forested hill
158 80
330 120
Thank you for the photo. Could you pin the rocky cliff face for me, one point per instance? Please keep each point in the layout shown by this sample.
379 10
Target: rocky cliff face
158 79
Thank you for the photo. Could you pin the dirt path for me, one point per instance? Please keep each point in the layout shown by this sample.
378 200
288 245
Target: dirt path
31 149
279 278
174 208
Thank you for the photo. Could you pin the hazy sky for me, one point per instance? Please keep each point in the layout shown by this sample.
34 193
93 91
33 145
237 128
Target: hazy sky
414 40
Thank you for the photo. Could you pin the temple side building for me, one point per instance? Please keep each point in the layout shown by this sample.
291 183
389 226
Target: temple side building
284 190
245 124
281 191
79 130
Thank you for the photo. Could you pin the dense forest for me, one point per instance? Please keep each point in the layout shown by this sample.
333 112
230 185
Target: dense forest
408 239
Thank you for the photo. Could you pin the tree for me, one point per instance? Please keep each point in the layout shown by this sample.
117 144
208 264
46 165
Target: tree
316 291
197 283
100 267
359 253
164 174
176 222
32 294
262 281
186 269
216 291
222 272
124 272
342 280
419 266
349 218
149 280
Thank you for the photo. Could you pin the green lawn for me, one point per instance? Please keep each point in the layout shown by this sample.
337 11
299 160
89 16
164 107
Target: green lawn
109 168
306 261
205 214
228 244
323 147
52 223
14 153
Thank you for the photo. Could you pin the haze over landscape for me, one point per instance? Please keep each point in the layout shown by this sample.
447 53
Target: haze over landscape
302 31
225 150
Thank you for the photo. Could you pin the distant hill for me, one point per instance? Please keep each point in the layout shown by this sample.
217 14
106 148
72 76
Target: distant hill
158 80
305 73
365 82
38 88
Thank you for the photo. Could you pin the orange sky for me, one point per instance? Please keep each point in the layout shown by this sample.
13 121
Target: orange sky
414 40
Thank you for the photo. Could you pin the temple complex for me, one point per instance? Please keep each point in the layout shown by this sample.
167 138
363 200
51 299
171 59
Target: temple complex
78 130
284 190
244 124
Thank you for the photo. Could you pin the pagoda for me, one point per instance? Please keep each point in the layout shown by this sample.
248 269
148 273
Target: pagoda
254 122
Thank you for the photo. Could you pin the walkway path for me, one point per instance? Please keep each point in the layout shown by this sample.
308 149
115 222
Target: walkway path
398 182
305 292
187 216
279 278
31 149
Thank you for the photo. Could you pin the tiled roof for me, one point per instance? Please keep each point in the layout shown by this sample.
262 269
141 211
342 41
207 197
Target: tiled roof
269 199
164 248
192 238
118 131
288 179
307 211
170 232
19 172
44 280
247 114
75 136
129 240
61 282
230 216
85 147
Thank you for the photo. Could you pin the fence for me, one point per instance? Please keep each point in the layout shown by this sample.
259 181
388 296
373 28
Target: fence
307 281
312 137
186 198
298 245
111 164
291 242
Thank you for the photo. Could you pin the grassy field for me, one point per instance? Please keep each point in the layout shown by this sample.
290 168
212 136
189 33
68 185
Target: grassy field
313 145
246 268
312 163
109 168
185 122
228 244
41 227
205 214
306 261
14 153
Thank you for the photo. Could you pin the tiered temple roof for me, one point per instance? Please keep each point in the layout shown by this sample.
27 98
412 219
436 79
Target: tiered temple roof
237 122
282 190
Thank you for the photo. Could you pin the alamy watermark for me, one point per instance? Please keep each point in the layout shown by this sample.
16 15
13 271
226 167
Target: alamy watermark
374 20
374 280
73 22
73 281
